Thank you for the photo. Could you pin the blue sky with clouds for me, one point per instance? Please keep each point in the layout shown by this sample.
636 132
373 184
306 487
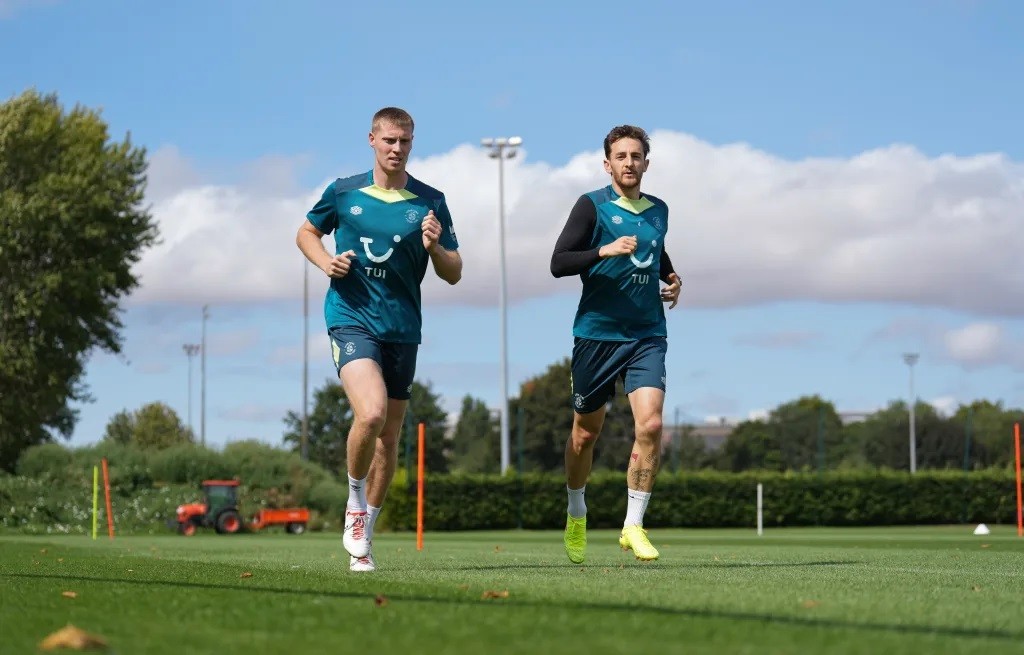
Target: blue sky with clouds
846 183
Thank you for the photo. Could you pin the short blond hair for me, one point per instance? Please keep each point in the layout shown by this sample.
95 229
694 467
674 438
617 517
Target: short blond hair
393 115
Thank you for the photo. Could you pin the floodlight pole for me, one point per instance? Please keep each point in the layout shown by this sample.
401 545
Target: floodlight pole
911 359
191 349
503 148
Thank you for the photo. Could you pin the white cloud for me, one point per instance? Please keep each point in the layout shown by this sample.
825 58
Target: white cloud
976 344
889 225
982 344
945 405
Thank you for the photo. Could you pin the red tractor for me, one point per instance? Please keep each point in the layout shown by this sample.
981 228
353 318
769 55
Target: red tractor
220 512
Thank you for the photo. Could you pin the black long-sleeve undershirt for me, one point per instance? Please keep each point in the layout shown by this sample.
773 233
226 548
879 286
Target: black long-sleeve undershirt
572 255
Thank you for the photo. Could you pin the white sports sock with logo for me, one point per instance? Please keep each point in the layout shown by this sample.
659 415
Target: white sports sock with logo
577 505
636 506
371 520
356 495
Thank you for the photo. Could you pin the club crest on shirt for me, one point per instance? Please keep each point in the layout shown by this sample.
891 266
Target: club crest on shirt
412 216
355 210
617 220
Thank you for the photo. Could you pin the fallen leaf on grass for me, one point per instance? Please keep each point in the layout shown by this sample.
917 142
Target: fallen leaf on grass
604 571
247 574
810 604
494 594
464 587
60 559
497 549
73 638
381 600
986 545
976 588
42 550
69 594
131 570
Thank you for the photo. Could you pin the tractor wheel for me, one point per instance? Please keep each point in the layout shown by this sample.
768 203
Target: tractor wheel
229 522
188 528
296 528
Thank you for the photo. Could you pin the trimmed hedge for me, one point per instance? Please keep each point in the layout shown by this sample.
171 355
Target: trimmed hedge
712 499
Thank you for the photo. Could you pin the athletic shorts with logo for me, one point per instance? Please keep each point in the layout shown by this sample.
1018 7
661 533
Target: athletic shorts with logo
596 365
397 361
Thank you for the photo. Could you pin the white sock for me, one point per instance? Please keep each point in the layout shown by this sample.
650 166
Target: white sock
636 506
577 506
371 520
356 495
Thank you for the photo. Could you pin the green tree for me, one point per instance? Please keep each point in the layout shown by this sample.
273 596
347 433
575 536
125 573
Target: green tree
153 426
809 433
476 446
425 407
119 428
991 430
72 225
886 436
611 452
331 419
547 417
546 403
692 450
753 444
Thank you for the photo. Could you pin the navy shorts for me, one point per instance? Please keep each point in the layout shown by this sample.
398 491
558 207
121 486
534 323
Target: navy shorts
397 361
596 365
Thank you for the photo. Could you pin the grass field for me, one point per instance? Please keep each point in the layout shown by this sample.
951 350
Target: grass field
872 590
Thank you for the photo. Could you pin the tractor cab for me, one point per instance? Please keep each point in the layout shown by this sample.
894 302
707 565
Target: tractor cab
219 511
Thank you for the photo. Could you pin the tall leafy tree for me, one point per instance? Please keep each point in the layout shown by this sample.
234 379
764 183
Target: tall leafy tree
331 419
153 426
476 446
989 428
72 225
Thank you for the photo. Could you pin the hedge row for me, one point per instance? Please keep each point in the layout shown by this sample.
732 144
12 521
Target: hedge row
712 499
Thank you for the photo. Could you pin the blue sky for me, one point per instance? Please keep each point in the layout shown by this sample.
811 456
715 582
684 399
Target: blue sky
845 182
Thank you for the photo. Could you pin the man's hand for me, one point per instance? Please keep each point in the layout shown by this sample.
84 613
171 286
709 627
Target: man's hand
671 292
621 246
431 230
339 266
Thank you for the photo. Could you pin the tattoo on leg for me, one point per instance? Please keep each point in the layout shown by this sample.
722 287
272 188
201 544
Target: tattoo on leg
641 477
652 460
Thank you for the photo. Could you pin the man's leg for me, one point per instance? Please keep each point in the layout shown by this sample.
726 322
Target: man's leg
364 387
385 460
645 382
382 471
595 366
398 366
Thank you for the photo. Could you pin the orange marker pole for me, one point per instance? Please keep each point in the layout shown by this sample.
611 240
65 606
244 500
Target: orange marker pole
419 486
106 492
1016 447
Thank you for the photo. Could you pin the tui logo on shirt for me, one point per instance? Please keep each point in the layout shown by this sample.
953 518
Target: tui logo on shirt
377 259
647 262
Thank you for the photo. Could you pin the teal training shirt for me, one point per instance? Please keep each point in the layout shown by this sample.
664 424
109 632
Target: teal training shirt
381 292
621 298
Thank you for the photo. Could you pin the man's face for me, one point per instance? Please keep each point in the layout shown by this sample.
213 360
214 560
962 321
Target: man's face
626 163
391 146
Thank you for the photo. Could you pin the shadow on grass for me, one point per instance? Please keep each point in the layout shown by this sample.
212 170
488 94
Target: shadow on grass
652 565
692 613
